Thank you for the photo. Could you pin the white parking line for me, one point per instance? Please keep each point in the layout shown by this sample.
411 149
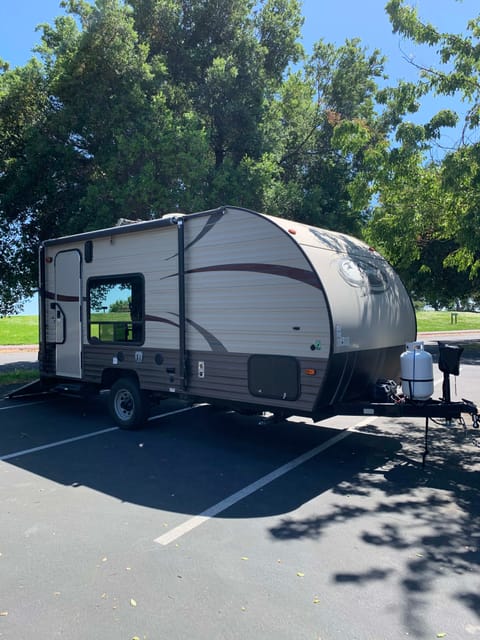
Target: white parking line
17 406
58 443
196 521
172 413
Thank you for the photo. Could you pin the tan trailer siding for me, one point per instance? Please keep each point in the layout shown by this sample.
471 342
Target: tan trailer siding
236 294
364 316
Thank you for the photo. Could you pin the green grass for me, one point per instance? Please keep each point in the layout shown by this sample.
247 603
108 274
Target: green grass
442 321
18 377
24 329
19 330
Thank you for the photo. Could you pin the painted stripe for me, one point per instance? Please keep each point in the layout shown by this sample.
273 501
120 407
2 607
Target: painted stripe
59 443
223 505
18 406
172 413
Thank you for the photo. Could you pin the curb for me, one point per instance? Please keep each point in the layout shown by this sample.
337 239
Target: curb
12 348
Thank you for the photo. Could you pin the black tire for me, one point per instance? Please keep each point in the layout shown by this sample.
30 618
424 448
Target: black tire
128 405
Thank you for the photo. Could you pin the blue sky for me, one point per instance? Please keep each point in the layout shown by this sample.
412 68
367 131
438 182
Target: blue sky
332 20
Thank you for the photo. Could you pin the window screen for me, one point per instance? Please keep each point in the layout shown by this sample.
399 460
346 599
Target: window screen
116 309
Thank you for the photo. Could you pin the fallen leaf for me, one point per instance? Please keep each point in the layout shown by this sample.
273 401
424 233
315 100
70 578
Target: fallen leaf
316 600
300 574
133 602
104 595
244 557
104 559
441 635
135 638
244 608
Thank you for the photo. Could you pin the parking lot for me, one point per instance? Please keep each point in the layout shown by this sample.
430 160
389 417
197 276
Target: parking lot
207 524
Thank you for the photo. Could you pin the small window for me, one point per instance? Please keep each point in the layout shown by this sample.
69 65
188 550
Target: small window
116 309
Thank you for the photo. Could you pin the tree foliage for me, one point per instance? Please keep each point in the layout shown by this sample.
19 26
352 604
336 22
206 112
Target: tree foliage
133 109
432 209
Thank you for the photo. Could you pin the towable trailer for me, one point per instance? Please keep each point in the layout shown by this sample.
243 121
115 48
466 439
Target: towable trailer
226 306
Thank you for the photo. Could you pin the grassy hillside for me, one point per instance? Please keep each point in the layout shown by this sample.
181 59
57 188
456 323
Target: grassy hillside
443 321
24 329
19 330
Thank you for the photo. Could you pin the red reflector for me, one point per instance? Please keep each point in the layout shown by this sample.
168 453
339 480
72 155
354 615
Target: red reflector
310 372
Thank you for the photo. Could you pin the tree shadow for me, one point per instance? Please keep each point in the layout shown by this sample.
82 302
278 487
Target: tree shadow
428 518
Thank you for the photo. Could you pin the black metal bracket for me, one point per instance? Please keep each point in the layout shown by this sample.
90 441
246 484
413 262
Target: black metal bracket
404 408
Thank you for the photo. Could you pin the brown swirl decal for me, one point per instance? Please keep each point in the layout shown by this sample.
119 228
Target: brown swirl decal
209 225
293 273
61 297
162 320
213 342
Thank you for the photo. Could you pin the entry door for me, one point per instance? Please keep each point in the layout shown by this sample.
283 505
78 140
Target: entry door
68 313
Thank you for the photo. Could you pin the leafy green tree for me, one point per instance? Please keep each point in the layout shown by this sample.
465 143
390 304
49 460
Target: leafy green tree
137 108
226 61
457 72
23 104
409 225
88 137
330 137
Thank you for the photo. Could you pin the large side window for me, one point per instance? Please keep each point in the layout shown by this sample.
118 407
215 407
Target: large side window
116 309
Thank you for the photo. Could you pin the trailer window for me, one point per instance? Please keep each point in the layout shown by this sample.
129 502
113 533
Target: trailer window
116 309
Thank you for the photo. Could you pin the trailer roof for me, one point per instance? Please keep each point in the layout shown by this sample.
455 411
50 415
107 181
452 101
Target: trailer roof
130 227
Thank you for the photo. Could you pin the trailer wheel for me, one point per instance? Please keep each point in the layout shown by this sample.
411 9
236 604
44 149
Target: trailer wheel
127 404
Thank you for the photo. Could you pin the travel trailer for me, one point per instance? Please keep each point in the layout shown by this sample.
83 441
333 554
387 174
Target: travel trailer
227 306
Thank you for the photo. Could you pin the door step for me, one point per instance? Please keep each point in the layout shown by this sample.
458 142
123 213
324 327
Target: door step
70 389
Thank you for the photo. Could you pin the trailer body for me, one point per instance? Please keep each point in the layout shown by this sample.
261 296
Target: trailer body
227 306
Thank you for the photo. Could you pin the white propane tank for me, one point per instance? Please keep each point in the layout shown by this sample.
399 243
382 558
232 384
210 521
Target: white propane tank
416 372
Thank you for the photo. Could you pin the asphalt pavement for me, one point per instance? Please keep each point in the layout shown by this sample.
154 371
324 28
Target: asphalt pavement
209 525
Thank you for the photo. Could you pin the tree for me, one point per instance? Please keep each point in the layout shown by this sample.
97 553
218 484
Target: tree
137 108
457 72
23 104
330 136
95 139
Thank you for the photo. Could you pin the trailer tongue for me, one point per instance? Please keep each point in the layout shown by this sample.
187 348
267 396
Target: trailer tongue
408 406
